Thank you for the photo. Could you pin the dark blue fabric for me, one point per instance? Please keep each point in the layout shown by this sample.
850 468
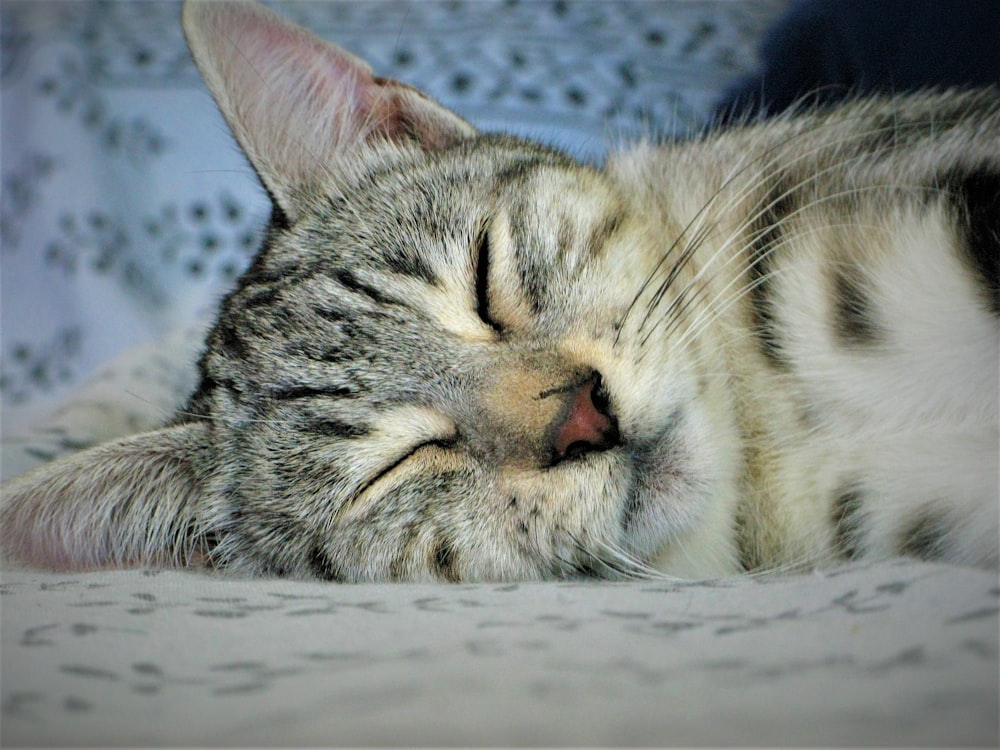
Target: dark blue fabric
825 50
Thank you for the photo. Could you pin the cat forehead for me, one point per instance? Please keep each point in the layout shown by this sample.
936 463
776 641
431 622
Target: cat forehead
485 170
364 279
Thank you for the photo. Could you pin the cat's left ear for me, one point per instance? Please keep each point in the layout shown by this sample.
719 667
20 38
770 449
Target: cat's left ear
306 113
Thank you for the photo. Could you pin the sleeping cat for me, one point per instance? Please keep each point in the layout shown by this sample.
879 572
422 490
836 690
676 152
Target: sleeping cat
466 357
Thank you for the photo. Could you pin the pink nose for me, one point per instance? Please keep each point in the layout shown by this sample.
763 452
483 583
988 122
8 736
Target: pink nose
589 426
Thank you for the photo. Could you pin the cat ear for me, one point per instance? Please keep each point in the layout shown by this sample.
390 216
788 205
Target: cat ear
303 110
134 501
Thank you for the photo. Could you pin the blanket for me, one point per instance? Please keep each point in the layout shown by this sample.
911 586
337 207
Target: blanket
898 654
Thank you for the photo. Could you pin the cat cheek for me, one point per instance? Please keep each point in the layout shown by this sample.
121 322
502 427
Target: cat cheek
583 497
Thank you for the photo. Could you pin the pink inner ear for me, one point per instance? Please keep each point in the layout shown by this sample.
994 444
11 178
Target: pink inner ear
303 67
253 59
328 72
302 109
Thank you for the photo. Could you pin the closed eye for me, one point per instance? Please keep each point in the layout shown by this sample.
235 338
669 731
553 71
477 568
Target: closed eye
389 469
483 280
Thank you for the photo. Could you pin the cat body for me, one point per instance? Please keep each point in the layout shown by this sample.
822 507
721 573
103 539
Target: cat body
468 357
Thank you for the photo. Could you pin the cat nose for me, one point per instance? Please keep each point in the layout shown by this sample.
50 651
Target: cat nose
590 426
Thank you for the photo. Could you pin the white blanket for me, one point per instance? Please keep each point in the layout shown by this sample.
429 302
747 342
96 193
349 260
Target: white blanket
898 654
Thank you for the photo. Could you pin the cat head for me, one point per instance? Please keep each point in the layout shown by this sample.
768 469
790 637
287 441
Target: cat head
446 362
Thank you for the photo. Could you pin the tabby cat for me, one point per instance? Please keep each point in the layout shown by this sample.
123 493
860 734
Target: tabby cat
467 357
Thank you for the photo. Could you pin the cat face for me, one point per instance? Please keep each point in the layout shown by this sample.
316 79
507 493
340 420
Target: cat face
431 375
439 366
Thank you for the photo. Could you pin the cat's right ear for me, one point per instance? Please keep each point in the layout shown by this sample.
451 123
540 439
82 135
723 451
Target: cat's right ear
306 113
140 500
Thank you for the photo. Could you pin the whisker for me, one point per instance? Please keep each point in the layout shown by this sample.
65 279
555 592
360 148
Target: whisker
677 309
772 153
575 567
620 565
639 568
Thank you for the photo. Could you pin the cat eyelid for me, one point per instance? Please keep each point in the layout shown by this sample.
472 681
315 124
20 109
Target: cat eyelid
386 471
483 259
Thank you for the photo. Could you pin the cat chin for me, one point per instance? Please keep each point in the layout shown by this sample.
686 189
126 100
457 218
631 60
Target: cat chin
660 505
679 517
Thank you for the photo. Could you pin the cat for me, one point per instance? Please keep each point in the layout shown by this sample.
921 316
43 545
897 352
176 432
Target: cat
464 357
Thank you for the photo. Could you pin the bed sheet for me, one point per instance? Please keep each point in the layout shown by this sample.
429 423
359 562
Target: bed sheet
897 654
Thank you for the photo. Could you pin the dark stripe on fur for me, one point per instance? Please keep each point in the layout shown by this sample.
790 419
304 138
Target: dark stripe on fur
535 276
406 261
924 537
748 550
444 560
231 342
854 312
847 518
334 428
765 236
603 232
534 281
519 170
279 219
407 545
977 196
349 281
294 392
323 567
265 269
262 296
331 314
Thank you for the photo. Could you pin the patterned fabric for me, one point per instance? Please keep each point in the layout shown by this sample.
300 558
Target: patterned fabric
896 655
